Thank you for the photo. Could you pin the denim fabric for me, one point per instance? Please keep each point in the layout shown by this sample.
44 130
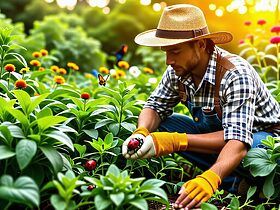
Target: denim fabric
205 123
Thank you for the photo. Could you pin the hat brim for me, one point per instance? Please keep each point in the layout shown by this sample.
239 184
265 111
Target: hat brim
148 38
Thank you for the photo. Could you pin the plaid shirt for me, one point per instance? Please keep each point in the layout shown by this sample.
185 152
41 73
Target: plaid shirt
247 104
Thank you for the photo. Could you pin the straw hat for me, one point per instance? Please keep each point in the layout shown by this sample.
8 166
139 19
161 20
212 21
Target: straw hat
180 23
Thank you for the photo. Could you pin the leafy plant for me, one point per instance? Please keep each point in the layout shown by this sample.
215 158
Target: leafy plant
116 190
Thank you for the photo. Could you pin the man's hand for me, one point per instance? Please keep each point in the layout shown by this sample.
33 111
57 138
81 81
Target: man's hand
157 144
198 190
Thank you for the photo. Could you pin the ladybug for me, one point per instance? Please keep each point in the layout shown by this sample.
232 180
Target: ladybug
91 187
90 165
134 144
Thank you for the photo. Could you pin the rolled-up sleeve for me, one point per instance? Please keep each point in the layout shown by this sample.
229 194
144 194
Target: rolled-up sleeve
239 108
165 96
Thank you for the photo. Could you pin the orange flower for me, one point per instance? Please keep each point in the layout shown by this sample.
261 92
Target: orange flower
36 54
44 52
21 84
85 95
10 67
59 80
120 73
104 70
123 64
54 68
41 69
73 66
35 63
148 70
62 71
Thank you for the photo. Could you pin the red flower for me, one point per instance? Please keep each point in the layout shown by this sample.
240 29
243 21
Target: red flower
261 22
247 23
275 40
10 67
85 95
21 84
275 29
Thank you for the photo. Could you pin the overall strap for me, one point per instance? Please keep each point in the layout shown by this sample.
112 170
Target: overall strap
223 65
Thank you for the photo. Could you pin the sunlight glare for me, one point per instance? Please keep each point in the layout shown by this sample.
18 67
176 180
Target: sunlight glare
145 2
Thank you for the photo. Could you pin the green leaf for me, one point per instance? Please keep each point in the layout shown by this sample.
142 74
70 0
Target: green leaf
81 149
117 198
53 156
6 135
113 169
61 92
92 133
208 206
128 126
153 190
101 203
268 187
49 121
61 137
234 204
261 167
6 152
36 102
153 183
44 113
102 123
58 202
23 99
15 131
139 203
20 117
25 151
24 190
251 191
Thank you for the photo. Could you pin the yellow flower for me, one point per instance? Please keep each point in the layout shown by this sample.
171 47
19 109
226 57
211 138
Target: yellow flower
62 71
148 70
35 63
54 68
104 70
59 80
123 64
120 73
114 75
73 66
44 52
24 70
88 75
36 54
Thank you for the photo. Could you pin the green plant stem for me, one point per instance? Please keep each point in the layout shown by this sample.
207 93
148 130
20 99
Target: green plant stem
69 75
102 169
83 204
85 103
2 66
7 206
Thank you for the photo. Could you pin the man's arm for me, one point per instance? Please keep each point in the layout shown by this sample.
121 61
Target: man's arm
149 119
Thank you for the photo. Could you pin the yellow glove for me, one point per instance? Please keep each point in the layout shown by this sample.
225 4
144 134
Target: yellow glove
166 143
203 186
142 130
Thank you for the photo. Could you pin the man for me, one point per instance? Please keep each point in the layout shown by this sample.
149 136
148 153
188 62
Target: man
231 108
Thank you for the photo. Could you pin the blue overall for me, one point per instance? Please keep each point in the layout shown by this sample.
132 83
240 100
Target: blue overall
203 122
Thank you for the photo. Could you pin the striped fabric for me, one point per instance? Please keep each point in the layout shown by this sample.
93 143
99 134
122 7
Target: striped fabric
247 104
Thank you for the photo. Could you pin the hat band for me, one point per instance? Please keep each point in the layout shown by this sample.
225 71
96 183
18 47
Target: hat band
181 34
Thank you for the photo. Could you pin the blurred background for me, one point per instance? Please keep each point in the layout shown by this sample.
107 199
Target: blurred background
91 32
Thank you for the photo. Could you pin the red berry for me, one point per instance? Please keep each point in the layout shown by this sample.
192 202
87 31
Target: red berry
90 165
135 144
91 187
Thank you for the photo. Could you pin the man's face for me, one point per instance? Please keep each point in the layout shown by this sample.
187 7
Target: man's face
184 57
